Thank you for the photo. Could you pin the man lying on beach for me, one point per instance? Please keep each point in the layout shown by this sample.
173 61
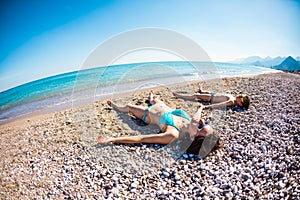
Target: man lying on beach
173 124
217 100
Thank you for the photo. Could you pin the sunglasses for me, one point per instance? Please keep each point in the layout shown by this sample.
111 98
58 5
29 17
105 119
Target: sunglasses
201 126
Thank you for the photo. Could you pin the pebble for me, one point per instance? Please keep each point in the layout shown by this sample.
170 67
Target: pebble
263 148
281 184
246 177
235 189
229 195
177 177
134 184
115 191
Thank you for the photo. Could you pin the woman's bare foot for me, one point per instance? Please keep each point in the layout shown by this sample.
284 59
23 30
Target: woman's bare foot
115 106
175 94
109 102
182 96
200 90
151 99
103 140
112 104
151 95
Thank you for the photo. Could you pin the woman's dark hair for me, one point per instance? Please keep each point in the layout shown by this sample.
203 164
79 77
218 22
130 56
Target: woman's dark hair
201 146
246 101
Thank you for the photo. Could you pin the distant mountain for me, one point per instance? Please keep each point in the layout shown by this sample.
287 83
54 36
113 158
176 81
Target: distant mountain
273 62
248 60
289 64
256 60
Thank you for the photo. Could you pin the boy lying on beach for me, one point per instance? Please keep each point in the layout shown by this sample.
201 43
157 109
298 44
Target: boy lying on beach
217 100
173 124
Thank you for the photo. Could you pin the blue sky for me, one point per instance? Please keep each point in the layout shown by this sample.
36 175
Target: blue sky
43 38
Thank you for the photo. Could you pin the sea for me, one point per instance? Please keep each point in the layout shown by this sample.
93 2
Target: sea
88 85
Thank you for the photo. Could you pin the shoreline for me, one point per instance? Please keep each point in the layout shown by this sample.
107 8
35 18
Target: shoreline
68 106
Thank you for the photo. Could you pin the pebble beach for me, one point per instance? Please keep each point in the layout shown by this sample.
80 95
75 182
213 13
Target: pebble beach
56 156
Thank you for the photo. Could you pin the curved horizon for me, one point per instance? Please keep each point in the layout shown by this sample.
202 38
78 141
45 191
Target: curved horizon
40 39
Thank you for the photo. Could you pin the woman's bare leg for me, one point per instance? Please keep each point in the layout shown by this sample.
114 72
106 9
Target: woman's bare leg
195 96
185 96
137 111
202 97
117 107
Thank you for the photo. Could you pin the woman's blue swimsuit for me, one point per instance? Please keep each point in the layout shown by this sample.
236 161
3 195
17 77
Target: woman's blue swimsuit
145 114
167 118
212 95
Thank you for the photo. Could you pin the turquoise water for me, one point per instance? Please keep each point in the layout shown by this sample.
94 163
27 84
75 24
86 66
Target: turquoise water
61 91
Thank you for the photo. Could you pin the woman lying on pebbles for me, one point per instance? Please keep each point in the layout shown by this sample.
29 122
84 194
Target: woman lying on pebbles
173 123
217 100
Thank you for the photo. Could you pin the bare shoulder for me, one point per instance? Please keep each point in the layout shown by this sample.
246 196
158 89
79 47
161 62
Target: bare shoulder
231 97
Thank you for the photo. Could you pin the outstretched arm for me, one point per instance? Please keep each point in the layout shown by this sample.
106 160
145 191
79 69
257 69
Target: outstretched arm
220 105
162 138
197 115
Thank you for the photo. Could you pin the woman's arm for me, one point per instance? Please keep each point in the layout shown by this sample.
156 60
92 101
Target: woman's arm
220 105
162 138
197 115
